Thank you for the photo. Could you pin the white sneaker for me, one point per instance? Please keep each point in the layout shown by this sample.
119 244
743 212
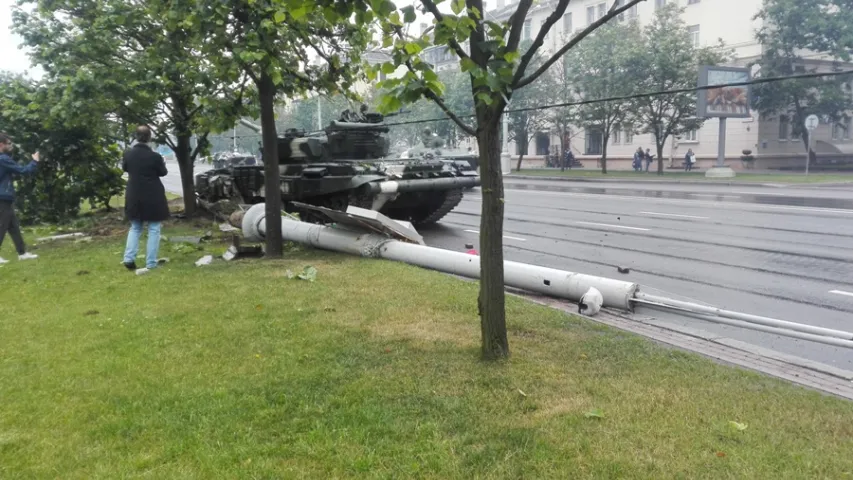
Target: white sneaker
27 256
3 260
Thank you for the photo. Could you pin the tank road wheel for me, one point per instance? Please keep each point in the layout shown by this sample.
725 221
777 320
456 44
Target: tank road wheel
433 214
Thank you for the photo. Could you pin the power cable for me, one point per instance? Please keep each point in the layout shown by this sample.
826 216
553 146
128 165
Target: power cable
643 95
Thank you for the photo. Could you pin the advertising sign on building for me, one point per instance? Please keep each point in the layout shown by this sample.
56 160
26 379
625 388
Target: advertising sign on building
723 102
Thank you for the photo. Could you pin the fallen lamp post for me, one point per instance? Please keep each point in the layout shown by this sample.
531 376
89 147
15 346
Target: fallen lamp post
368 233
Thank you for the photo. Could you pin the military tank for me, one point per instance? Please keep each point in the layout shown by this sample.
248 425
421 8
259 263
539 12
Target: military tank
433 147
346 164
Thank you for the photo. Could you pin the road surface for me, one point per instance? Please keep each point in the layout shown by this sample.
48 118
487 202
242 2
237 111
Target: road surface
785 253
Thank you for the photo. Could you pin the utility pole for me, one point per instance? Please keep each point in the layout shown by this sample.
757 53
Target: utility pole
319 113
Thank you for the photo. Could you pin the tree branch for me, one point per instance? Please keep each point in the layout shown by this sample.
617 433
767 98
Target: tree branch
431 6
516 24
202 141
574 41
540 39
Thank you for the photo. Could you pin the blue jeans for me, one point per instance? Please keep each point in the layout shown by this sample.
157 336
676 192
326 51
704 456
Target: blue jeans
133 237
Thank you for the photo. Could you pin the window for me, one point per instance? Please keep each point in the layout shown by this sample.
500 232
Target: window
693 31
617 135
619 4
784 127
526 31
691 136
629 136
567 24
594 12
659 4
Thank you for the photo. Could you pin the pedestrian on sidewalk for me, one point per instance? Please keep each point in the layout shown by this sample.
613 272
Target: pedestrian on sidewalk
8 219
689 160
145 200
649 157
638 160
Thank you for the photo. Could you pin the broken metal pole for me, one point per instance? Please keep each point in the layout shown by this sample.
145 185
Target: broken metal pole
548 281
828 336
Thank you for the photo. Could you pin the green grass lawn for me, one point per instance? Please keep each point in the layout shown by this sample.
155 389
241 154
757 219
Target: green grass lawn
236 371
680 175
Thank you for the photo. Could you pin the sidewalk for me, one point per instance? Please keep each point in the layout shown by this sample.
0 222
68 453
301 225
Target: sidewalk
592 175
807 373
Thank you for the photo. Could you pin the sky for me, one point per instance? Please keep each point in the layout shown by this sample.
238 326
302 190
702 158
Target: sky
13 59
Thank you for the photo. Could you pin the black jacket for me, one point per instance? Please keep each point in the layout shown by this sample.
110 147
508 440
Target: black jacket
146 198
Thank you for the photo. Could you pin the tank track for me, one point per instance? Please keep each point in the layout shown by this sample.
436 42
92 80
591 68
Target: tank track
451 200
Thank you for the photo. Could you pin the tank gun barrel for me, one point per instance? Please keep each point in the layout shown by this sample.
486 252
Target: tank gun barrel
376 127
253 126
421 185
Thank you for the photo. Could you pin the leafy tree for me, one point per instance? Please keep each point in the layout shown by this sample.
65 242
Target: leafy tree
600 68
146 61
79 154
488 52
562 119
668 60
525 119
270 42
789 29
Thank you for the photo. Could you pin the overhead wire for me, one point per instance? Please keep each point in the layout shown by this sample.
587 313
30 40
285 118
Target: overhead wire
755 81
634 96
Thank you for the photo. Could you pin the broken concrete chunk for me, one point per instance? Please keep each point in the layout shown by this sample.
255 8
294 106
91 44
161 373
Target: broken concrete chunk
193 240
205 260
224 227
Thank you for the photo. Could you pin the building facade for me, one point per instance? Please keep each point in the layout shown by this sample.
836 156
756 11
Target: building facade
732 21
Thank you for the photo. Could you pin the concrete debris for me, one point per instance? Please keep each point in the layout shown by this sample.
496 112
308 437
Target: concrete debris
227 228
237 250
61 237
205 260
193 240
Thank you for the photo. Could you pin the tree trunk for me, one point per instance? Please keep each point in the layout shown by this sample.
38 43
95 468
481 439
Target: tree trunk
659 147
272 189
491 301
605 139
183 155
523 145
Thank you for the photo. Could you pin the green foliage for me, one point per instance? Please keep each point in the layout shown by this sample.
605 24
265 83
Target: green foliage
666 59
523 125
275 39
79 155
789 27
602 67
143 58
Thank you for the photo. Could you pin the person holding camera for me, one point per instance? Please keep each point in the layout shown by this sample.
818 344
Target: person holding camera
8 219
145 200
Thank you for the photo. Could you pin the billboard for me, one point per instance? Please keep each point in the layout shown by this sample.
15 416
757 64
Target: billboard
729 102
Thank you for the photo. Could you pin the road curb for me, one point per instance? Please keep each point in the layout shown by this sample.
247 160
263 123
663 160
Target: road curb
678 182
800 371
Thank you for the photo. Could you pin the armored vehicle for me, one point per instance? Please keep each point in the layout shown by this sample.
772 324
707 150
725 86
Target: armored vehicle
346 164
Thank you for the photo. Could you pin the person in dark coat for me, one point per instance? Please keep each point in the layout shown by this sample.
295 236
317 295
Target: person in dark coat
145 200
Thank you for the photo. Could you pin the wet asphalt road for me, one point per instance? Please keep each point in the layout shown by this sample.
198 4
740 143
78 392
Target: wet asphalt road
785 253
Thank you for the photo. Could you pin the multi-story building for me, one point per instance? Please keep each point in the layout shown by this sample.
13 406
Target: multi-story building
769 139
